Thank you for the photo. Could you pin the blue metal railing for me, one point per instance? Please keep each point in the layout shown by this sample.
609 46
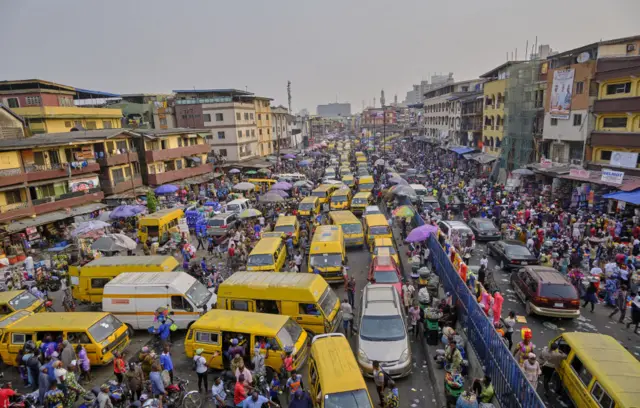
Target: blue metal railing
511 387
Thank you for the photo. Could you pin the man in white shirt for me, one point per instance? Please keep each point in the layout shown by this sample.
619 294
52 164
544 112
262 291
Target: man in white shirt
610 269
261 221
596 271
297 258
484 262
218 392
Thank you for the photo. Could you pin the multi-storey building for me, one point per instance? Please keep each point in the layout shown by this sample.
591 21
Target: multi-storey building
230 114
11 124
263 123
443 109
471 125
48 107
281 127
615 141
172 155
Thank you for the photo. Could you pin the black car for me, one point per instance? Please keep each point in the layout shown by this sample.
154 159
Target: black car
452 202
484 229
511 254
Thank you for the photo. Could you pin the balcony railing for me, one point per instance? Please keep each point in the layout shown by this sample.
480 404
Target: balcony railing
12 207
53 166
10 172
246 154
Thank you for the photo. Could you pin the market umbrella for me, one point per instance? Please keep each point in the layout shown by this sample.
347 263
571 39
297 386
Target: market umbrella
379 162
404 211
270 197
523 172
125 211
304 163
404 191
281 185
244 186
250 213
421 233
113 243
280 193
289 156
302 183
271 158
264 171
315 154
234 171
251 172
88 226
399 181
166 189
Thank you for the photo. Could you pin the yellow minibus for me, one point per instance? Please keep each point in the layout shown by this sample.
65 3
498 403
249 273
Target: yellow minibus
269 254
158 226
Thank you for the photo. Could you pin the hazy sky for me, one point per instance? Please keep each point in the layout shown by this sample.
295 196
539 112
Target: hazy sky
345 48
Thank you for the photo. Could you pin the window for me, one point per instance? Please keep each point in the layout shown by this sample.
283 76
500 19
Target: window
601 396
251 115
33 100
246 116
268 131
206 337
207 117
239 133
260 132
136 168
223 152
605 155
91 125
18 338
577 119
106 124
554 122
117 175
177 302
13 103
582 372
259 116
179 164
253 133
614 122
163 121
179 142
619 88
127 172
221 135
47 191
241 305
12 196
219 117
99 283
238 117
247 132
579 87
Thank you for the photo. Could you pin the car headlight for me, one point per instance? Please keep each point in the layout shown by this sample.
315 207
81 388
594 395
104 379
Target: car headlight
104 351
362 356
404 356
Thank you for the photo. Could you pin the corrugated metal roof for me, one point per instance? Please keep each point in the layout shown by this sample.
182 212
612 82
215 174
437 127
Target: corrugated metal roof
47 218
57 139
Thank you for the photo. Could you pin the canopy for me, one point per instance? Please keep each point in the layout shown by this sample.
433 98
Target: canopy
461 149
113 243
632 197
166 189
244 186
88 226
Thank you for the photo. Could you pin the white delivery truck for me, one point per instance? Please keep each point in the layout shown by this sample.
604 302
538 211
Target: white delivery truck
135 298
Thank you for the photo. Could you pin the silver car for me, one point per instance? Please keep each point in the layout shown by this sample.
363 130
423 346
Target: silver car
382 333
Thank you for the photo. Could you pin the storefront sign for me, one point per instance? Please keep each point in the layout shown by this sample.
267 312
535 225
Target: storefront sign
624 159
580 173
612 176
83 184
545 163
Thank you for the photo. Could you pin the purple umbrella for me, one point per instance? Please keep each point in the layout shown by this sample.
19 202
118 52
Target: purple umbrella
166 189
280 193
124 211
234 171
421 233
398 180
289 156
281 185
304 163
315 154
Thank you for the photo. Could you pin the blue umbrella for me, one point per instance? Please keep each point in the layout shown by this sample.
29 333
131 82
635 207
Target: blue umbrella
289 156
166 189
125 211
305 163
281 193
234 171
315 154
281 185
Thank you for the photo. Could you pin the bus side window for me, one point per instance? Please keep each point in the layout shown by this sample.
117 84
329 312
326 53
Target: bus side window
180 303
600 395
241 305
78 338
313 373
18 338
309 309
99 283
581 371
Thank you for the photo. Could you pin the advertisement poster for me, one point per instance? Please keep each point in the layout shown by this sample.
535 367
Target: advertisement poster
561 92
83 184
624 159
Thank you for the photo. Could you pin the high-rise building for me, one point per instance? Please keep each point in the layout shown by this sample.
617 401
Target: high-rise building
333 110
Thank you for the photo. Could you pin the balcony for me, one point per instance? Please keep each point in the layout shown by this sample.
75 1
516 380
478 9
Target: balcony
74 199
118 159
12 176
619 139
36 172
157 179
118 187
176 153
617 105
15 211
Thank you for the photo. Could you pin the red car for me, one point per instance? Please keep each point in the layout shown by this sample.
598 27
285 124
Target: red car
385 270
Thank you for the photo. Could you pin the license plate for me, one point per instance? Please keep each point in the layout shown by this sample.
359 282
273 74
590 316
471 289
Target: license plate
558 305
524 263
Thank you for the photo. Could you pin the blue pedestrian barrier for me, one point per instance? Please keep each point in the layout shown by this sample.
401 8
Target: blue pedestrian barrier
511 387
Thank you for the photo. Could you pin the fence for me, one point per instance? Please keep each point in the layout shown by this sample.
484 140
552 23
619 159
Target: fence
511 387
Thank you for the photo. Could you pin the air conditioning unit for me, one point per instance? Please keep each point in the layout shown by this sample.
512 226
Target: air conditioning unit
631 47
577 162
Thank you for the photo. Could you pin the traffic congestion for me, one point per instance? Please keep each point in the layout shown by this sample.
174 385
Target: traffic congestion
313 284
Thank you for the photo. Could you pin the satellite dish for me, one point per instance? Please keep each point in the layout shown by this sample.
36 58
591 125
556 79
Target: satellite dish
583 57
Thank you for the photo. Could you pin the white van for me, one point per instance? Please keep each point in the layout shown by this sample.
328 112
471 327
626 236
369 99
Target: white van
237 206
291 177
421 191
134 297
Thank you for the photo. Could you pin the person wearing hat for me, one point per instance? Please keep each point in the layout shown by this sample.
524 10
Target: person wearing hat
301 399
531 368
525 347
73 387
200 365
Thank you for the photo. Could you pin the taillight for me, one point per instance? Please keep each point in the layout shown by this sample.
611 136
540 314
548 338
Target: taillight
515 262
473 237
575 303
224 226
541 300
289 233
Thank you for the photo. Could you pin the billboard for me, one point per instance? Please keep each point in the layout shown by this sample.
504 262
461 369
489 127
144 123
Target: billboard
561 92
624 159
83 184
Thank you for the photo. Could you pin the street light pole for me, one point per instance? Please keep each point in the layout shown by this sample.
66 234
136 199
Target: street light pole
384 132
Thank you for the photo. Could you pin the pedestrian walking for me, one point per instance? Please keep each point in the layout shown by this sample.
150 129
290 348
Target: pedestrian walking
551 359
590 296
621 304
119 366
166 361
351 290
509 323
347 317
200 367
635 313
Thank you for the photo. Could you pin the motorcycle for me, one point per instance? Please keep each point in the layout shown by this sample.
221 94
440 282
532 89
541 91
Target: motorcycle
178 396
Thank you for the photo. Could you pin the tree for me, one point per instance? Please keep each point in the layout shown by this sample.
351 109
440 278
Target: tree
152 202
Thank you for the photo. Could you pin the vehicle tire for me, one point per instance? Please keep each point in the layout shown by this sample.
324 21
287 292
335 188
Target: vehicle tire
527 308
130 330
192 399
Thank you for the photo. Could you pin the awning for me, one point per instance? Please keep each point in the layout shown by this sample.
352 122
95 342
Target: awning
198 179
632 197
194 159
48 218
629 183
481 158
461 149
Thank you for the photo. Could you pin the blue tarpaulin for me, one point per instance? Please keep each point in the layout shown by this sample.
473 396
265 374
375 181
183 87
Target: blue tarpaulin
462 149
632 197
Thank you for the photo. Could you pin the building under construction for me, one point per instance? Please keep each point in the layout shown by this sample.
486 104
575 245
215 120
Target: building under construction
526 83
